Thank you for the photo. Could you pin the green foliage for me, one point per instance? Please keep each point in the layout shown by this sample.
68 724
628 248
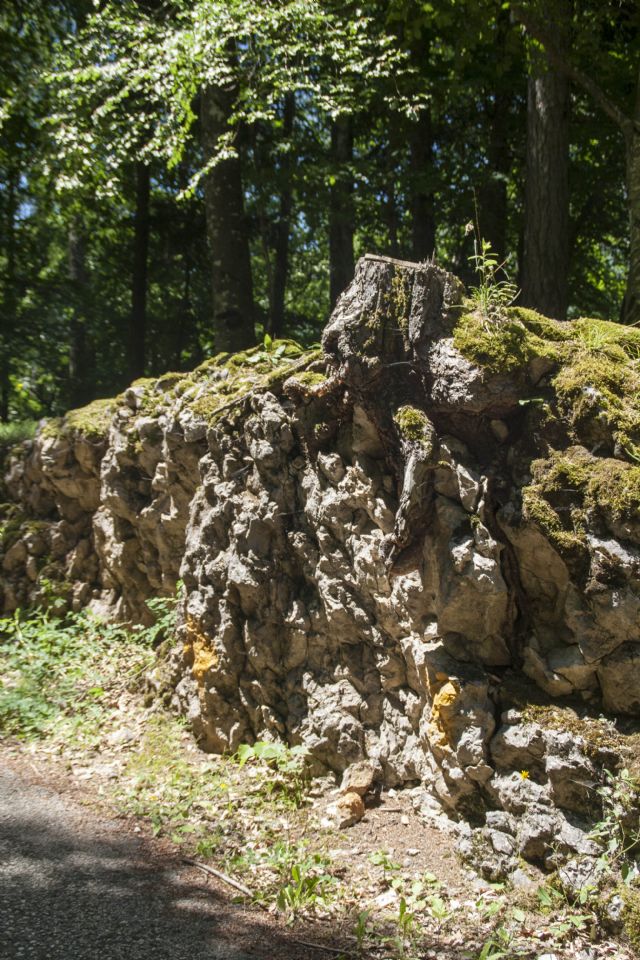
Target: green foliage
496 947
58 674
619 829
306 886
15 432
286 768
494 291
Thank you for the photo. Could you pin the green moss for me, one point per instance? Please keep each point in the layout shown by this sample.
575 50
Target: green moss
309 378
631 913
596 381
571 485
614 486
509 345
400 300
227 379
543 327
414 426
91 422
598 391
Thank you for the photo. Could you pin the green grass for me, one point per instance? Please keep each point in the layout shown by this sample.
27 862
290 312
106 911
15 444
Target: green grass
16 431
60 676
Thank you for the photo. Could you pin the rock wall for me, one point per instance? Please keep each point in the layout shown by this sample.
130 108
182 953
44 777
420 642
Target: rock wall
420 546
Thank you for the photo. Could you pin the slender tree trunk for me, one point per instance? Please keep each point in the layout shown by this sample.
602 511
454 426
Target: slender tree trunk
341 216
421 198
545 266
233 312
9 315
493 193
138 324
283 226
546 236
391 216
80 390
183 330
631 309
630 127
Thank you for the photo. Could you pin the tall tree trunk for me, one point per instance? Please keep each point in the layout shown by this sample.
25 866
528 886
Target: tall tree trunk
545 266
138 324
283 225
391 215
233 316
628 124
493 193
341 216
80 390
631 309
421 198
9 314
546 234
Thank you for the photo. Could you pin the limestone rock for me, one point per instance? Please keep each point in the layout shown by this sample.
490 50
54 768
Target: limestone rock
374 543
347 810
360 777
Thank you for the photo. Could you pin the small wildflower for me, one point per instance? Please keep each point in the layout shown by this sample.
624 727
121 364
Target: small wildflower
524 774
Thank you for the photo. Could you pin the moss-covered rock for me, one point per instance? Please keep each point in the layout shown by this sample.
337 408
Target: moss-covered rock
91 422
414 425
507 346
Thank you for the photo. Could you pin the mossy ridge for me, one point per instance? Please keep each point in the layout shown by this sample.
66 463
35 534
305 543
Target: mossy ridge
227 379
508 345
596 381
598 733
311 378
603 483
91 422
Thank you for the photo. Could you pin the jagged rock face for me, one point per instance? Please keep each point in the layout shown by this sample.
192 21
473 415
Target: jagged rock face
384 549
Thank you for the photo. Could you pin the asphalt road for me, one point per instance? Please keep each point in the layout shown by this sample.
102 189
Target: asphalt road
74 886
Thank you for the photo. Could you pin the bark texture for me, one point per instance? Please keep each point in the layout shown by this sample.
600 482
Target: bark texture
341 219
421 200
227 231
545 265
138 323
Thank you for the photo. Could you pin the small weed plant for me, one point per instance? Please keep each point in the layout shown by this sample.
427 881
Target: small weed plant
494 291
307 887
269 353
286 769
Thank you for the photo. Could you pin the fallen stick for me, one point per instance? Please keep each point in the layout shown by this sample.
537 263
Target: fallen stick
321 946
221 876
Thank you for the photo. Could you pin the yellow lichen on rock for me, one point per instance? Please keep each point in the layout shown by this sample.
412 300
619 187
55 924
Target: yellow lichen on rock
444 708
198 649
